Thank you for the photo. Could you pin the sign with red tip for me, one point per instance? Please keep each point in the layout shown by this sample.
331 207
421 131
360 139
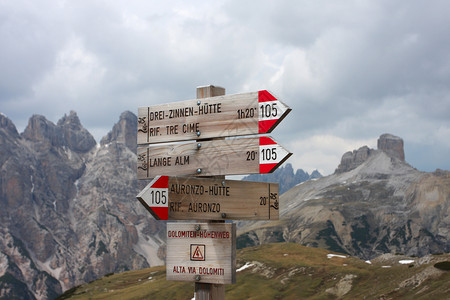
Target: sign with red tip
197 198
211 158
155 197
222 116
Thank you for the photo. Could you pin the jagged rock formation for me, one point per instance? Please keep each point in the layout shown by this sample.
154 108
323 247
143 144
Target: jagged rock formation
69 212
387 143
374 203
351 160
123 131
285 177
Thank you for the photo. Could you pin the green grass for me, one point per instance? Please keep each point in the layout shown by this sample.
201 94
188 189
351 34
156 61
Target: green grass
281 271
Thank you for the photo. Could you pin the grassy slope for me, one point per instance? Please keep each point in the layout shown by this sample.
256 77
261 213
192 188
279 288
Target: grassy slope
287 271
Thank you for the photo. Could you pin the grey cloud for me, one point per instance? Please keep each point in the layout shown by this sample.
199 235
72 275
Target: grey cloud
29 43
351 69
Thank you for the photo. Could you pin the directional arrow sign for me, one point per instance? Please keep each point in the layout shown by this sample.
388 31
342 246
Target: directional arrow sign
211 158
222 116
191 198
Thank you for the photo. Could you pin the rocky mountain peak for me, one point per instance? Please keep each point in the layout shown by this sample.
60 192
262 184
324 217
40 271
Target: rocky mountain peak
71 120
352 159
39 129
75 136
8 125
68 132
285 176
392 145
315 174
123 131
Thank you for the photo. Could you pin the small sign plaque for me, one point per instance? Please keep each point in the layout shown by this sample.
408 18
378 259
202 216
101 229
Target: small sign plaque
201 252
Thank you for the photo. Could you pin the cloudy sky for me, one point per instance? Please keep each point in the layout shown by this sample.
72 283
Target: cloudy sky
350 70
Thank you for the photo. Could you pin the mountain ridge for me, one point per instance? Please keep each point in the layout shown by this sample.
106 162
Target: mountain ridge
70 214
284 176
379 204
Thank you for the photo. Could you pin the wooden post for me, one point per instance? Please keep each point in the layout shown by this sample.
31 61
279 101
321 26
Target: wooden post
209 291
210 91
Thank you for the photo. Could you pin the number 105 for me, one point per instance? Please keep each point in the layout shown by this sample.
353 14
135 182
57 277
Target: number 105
268 110
269 154
159 197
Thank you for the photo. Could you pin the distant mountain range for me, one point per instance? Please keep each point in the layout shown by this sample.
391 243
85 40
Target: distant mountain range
285 177
70 215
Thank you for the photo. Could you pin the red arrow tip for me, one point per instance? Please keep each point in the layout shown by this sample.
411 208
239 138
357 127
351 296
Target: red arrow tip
264 96
266 126
161 183
160 213
267 168
265 140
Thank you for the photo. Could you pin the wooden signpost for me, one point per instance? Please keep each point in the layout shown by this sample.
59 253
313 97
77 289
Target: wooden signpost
210 158
191 198
221 116
201 252
205 253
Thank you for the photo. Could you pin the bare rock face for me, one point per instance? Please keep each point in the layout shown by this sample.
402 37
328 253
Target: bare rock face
388 143
392 145
75 136
351 160
42 133
67 133
8 126
68 209
124 131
